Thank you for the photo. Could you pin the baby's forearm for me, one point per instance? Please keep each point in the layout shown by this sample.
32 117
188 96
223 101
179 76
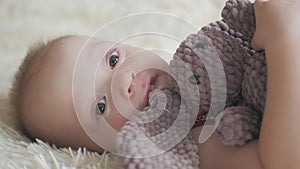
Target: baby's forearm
279 143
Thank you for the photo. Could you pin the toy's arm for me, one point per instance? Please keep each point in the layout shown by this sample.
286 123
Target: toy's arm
159 136
238 125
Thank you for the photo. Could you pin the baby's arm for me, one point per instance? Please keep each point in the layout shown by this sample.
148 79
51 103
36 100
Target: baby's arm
277 32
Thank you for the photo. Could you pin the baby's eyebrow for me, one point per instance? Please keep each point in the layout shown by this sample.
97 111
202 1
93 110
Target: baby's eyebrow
93 50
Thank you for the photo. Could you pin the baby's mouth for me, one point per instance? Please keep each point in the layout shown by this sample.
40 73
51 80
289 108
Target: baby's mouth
152 86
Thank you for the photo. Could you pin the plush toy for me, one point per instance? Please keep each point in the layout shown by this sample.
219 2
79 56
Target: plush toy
215 71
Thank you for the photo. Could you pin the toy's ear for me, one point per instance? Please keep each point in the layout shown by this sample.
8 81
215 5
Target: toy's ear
239 16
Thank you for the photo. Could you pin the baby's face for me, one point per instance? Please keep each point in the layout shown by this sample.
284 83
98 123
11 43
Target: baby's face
96 92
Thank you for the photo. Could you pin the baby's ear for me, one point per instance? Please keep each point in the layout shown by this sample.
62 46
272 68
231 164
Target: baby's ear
239 16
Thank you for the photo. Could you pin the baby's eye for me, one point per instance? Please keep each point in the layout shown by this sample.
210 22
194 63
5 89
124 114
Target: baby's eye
113 59
100 108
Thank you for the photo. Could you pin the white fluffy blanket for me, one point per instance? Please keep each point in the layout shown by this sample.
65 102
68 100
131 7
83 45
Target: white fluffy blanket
23 22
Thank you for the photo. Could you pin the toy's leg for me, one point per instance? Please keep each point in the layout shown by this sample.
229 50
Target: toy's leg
238 125
239 16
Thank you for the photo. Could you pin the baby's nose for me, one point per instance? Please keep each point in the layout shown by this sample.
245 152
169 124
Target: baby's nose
125 83
130 91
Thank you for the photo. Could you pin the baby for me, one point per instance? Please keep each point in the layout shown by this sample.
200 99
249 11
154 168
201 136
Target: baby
123 75
43 87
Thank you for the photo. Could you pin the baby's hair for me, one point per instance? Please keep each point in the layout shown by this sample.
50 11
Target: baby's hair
22 76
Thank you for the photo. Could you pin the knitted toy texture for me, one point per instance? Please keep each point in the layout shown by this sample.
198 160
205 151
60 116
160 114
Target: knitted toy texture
214 71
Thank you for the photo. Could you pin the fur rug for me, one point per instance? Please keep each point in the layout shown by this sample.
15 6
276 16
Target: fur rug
23 22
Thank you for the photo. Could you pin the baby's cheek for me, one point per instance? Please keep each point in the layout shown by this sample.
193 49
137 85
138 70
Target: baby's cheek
116 121
137 103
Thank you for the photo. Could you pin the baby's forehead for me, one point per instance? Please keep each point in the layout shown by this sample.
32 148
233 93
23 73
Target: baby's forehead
64 48
48 59
71 45
72 51
60 58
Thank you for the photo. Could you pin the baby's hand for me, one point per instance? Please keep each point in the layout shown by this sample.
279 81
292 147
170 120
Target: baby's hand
275 19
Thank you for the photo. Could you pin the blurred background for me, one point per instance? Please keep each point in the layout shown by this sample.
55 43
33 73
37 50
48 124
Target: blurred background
23 22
